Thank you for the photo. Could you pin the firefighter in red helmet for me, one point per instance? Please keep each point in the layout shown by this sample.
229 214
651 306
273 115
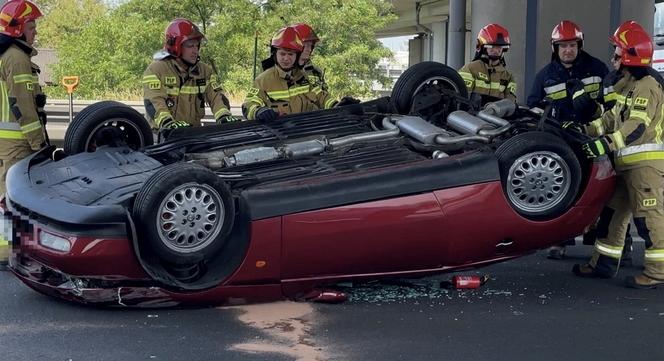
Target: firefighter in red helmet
486 75
176 86
631 133
313 73
572 83
309 41
284 88
609 98
22 127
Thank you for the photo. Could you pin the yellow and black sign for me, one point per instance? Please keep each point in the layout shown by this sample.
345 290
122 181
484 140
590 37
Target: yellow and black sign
650 202
641 101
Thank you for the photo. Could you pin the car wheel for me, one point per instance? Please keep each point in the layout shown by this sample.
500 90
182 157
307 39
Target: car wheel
184 213
107 123
422 82
540 174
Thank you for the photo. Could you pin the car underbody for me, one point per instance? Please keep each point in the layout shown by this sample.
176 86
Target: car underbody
251 211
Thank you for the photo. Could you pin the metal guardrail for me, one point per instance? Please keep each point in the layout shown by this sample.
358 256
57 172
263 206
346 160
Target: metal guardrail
57 112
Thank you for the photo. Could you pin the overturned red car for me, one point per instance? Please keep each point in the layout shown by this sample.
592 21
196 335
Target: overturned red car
415 184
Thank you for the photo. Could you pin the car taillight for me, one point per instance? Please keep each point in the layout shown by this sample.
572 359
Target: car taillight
54 242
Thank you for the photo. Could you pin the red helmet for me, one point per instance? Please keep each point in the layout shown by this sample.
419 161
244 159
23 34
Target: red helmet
179 31
14 14
627 25
287 38
636 45
306 32
493 34
566 31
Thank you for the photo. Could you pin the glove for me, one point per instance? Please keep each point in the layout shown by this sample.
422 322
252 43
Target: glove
607 83
40 100
266 114
596 148
228 119
168 126
174 124
574 126
346 101
585 107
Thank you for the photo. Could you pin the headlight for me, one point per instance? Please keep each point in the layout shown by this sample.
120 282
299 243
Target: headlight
54 242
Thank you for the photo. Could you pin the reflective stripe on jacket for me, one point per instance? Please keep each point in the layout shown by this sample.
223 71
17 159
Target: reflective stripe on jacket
550 82
286 93
635 124
172 91
493 81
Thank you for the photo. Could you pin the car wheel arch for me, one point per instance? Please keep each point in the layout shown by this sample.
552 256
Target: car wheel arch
540 174
184 185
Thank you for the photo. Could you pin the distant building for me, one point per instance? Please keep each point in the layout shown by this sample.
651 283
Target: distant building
392 68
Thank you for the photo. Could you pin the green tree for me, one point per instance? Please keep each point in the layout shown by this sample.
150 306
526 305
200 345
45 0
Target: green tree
111 50
110 54
64 17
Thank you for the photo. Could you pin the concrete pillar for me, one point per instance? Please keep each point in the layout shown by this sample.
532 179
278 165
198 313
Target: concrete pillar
457 34
415 51
427 46
439 41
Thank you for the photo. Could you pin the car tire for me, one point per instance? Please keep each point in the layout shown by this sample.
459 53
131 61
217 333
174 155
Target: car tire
421 75
107 123
540 174
184 213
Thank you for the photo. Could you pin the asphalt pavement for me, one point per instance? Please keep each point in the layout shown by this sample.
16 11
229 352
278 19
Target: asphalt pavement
532 308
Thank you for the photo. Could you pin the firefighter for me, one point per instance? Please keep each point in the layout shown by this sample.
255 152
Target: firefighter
609 96
486 75
608 101
22 130
177 85
284 88
631 130
572 71
572 83
309 41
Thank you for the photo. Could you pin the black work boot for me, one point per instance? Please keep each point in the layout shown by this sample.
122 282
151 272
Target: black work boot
587 271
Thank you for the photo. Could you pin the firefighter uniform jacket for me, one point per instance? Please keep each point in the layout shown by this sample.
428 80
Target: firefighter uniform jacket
286 93
494 81
634 125
609 94
550 82
173 92
19 90
315 75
